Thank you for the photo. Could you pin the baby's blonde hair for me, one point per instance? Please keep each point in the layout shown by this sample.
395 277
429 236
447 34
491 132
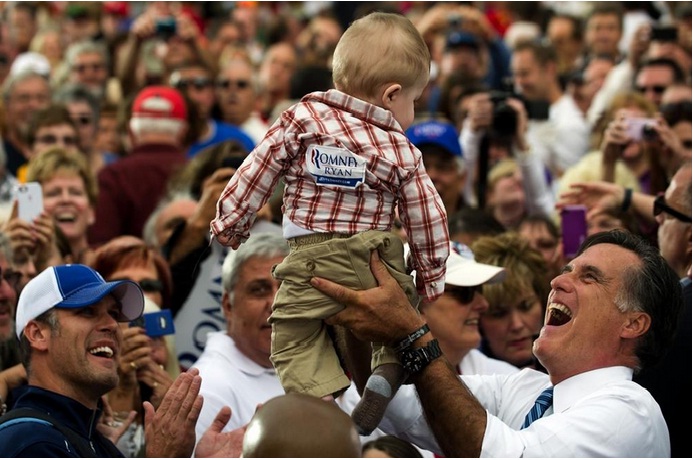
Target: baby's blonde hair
377 49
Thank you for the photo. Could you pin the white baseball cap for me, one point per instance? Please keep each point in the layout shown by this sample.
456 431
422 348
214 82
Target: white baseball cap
463 270
31 61
75 286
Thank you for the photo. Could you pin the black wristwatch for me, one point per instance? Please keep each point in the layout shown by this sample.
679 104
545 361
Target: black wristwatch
409 340
416 359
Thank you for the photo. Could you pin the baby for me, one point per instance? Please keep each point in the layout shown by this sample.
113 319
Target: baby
347 164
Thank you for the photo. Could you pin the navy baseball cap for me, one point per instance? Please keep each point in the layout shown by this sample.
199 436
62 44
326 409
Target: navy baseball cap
435 132
75 286
459 39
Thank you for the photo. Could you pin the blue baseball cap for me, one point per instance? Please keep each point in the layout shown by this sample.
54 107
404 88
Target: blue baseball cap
435 132
75 286
459 39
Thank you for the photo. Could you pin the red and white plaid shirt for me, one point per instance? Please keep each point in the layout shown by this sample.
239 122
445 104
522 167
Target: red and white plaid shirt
393 174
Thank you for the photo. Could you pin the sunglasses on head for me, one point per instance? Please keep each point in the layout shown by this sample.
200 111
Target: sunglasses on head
660 206
51 139
463 294
146 284
227 84
658 89
197 83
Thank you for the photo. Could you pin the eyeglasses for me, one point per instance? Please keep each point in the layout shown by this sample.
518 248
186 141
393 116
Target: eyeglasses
198 83
463 294
81 68
239 84
83 120
660 206
52 139
12 277
658 89
147 284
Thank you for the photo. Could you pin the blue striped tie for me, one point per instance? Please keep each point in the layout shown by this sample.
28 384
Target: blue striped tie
541 405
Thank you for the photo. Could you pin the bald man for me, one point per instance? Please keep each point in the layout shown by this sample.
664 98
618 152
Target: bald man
299 425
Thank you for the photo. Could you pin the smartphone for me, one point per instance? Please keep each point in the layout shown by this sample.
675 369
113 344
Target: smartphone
664 34
156 323
574 229
29 201
638 128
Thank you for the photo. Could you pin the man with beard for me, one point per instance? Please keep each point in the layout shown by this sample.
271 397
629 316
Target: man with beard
70 341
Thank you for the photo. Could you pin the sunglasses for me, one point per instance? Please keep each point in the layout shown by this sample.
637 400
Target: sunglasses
147 284
81 68
197 83
660 206
83 120
239 84
51 139
658 89
463 294
12 277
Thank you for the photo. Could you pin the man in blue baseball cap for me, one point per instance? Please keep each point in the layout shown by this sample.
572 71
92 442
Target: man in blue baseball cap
443 160
67 325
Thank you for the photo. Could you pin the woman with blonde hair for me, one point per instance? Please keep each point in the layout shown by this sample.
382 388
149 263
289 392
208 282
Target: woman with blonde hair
516 304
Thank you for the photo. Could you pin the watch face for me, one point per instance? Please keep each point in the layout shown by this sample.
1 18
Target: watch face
414 360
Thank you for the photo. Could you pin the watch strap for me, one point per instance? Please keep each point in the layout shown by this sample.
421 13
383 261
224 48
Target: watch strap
409 340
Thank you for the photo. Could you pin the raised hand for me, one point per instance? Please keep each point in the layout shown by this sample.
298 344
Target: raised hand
170 430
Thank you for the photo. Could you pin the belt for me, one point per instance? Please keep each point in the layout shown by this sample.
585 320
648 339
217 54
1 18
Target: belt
314 238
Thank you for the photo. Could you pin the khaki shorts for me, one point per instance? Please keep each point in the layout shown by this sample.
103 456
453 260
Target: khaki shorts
303 353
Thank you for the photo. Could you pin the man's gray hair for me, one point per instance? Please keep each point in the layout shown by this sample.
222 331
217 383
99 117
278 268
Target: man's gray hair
265 245
72 92
84 47
12 80
149 232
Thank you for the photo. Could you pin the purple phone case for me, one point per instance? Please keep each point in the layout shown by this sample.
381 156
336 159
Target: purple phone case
574 229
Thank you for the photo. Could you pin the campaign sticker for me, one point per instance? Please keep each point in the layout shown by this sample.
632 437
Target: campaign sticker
334 166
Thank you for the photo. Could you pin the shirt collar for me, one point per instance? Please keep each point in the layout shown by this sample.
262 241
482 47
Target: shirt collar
585 383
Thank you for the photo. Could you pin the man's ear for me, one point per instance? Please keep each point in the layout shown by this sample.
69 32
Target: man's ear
390 94
637 323
37 334
226 305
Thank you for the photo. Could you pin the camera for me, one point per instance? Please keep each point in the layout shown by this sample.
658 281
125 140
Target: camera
156 324
504 118
165 27
641 128
664 34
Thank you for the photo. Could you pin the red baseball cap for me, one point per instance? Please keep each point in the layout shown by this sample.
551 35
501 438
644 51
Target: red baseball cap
159 102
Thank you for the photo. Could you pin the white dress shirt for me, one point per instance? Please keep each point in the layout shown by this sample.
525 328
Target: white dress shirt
230 378
600 413
477 363
563 139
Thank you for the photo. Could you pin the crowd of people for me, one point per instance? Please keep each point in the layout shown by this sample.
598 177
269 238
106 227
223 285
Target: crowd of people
176 145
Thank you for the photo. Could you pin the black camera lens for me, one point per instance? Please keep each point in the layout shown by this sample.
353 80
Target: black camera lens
649 133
